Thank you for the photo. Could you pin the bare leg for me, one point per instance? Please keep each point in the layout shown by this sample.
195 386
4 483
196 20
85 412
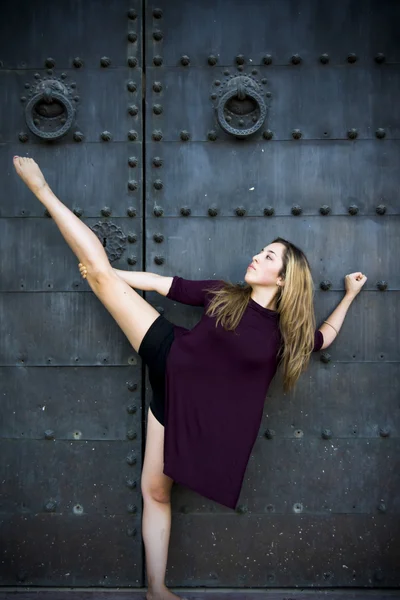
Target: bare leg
80 238
156 523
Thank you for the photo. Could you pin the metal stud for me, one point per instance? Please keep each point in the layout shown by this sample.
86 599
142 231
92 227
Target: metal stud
132 161
267 59
185 211
324 59
23 137
157 13
325 285
132 14
326 434
131 459
268 134
50 63
352 133
296 134
133 110
382 286
380 58
157 161
325 357
380 133
212 135
131 85
158 238
77 62
132 238
158 211
212 60
381 209
78 211
352 58
132 386
240 60
132 37
269 211
131 212
132 61
106 211
240 211
157 86
158 184
131 260
131 409
132 185
213 211
296 59
105 61
159 260
296 210
184 135
132 135
157 135
353 209
131 484
157 60
157 109
325 209
185 60
78 136
158 35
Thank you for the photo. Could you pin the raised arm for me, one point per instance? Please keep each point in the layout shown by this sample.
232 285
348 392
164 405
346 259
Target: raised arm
331 327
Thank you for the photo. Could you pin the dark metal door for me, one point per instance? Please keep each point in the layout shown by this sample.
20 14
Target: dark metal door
261 119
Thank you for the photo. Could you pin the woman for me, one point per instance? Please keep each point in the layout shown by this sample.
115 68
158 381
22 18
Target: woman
211 392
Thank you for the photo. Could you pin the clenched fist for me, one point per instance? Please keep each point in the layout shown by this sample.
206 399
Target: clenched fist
354 283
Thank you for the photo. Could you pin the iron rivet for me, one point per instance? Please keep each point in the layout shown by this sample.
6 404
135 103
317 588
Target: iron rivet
353 209
132 238
157 135
324 58
380 133
157 87
158 211
132 185
185 60
158 184
50 63
240 211
325 285
132 135
269 434
351 58
157 35
131 260
105 61
213 211
78 136
131 484
157 161
381 209
157 60
296 133
131 212
157 109
106 211
77 62
132 62
267 59
326 434
185 211
78 212
296 210
268 134
382 286
212 135
106 136
157 13
325 209
296 59
132 37
131 85
158 238
240 59
269 211
380 58
184 135
212 60
132 14
132 387
133 110
325 357
352 134
159 260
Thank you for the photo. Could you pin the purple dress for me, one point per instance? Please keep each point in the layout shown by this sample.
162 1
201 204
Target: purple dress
216 384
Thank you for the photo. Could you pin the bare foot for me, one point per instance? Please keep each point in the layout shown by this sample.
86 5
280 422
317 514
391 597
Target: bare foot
163 595
30 173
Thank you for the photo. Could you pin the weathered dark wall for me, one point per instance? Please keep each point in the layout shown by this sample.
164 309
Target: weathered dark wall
320 503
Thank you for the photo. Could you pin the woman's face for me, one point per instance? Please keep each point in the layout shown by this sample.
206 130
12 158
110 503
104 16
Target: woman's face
266 266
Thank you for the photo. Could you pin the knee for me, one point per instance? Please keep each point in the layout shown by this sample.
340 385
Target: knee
155 492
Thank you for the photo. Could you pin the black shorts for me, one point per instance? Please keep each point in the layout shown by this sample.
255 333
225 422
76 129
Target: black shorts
154 351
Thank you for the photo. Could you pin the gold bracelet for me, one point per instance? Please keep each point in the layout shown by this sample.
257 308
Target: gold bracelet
331 326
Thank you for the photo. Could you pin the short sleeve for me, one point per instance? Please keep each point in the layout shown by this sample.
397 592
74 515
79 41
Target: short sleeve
318 340
188 291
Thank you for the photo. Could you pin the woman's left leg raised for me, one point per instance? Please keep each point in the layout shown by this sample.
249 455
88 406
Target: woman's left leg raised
133 314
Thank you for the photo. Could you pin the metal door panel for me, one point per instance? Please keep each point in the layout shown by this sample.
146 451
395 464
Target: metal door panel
57 469
269 27
53 267
109 112
100 179
69 29
73 403
338 98
64 550
262 175
292 551
67 329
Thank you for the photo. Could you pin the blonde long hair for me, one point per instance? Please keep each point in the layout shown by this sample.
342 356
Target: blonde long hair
294 303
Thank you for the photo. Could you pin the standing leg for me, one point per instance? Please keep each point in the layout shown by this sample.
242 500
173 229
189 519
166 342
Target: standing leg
156 525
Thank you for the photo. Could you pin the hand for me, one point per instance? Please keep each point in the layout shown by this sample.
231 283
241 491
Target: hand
354 283
83 270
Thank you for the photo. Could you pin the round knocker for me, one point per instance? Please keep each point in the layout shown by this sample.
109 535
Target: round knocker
49 114
241 110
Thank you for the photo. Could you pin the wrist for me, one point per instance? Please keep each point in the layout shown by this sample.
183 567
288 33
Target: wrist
350 295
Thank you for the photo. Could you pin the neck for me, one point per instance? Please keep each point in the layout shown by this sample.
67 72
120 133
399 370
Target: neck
266 296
